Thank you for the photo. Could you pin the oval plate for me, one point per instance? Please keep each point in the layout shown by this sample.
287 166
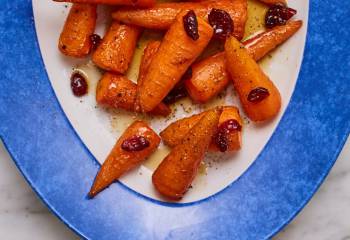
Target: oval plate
265 198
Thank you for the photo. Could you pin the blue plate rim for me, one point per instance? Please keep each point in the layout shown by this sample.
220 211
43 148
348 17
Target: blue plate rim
335 155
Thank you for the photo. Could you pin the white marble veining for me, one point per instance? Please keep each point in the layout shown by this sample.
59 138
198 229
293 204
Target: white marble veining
23 216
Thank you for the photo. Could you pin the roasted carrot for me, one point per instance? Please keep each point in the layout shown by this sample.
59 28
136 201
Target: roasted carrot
210 77
263 43
176 53
175 132
117 48
259 97
117 91
175 174
80 25
273 2
137 143
137 3
149 52
162 15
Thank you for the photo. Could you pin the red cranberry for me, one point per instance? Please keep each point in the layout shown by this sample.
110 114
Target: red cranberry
191 25
222 23
135 144
175 95
258 94
95 40
221 141
278 15
221 137
78 84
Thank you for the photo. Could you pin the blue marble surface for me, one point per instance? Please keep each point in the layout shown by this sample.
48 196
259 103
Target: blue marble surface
274 189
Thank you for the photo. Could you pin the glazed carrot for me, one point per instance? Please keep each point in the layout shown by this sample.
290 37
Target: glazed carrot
175 174
175 132
210 77
273 2
116 49
117 91
162 15
176 53
80 25
259 97
263 43
137 3
125 156
148 54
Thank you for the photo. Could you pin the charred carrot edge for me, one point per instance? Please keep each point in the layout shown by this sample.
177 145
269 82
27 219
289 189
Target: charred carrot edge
205 83
175 132
75 40
117 91
176 53
259 97
138 3
162 15
116 49
176 172
120 161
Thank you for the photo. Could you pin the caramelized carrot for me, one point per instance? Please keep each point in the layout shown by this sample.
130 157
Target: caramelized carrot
210 77
137 3
259 97
263 43
175 132
80 25
116 49
176 53
162 15
117 91
124 156
175 174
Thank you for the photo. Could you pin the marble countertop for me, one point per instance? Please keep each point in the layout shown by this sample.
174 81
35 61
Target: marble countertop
23 215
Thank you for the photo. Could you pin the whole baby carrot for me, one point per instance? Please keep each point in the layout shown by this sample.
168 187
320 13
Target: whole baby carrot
162 15
116 49
75 40
176 53
137 143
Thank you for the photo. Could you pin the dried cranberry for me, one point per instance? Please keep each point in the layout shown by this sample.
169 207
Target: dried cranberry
176 94
278 15
258 94
221 136
221 141
95 40
230 125
222 23
78 84
135 144
191 25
